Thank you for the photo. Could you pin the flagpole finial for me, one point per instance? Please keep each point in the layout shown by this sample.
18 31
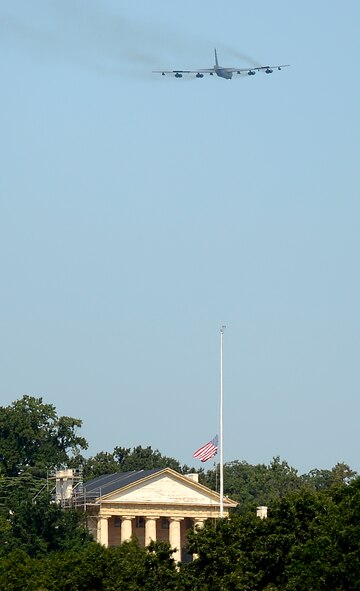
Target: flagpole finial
222 329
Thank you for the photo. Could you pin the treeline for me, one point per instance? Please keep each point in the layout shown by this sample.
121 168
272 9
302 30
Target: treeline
310 540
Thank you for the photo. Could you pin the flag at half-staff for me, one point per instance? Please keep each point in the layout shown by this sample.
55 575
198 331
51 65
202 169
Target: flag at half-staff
207 451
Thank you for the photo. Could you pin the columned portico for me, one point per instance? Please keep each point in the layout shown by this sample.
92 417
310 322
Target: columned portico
150 529
126 527
153 505
175 537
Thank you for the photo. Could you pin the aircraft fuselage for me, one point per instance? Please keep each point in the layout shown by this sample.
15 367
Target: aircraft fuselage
223 73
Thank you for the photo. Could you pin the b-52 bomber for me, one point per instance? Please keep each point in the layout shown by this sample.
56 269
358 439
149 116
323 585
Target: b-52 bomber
220 71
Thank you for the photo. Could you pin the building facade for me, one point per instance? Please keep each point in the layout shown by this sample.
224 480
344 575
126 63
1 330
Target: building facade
158 505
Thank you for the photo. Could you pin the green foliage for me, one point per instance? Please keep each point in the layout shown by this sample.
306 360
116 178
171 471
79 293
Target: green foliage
332 554
76 570
31 521
144 458
310 540
124 459
34 439
324 479
92 568
101 463
255 485
131 568
19 573
225 549
160 569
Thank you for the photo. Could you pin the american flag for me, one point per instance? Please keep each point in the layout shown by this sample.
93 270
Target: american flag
207 451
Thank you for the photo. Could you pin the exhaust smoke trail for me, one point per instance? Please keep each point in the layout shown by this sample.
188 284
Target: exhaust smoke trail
90 35
83 35
240 56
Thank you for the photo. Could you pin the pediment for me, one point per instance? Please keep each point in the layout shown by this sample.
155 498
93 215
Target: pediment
166 487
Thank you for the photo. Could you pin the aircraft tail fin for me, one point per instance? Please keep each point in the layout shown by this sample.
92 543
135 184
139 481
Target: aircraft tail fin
216 59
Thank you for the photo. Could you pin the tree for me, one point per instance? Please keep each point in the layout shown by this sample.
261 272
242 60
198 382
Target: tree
225 550
33 438
255 485
124 459
261 484
83 569
332 556
19 573
30 521
128 567
102 463
324 479
132 567
311 540
144 458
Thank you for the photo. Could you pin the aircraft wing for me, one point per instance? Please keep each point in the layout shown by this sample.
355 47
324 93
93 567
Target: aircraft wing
266 69
200 71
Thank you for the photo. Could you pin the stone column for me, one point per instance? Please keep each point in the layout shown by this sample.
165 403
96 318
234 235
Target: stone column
175 537
261 512
102 534
126 527
150 529
198 524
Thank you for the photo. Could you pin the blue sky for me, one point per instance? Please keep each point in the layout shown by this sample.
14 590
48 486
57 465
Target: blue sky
139 213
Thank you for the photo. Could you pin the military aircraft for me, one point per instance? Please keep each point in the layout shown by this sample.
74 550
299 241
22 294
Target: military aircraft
221 71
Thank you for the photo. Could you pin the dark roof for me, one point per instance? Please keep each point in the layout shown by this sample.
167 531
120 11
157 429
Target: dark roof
108 483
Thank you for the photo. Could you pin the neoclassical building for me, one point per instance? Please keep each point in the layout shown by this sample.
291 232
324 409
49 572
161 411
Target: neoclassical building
158 504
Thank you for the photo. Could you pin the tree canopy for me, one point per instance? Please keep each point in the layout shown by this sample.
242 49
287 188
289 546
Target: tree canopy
261 484
124 459
33 438
310 540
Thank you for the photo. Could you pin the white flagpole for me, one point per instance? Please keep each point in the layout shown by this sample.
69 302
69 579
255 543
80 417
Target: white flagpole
221 423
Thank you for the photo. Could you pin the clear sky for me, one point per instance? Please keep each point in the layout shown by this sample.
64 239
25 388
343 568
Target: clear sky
139 213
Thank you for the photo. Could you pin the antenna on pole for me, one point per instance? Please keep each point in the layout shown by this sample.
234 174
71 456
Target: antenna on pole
222 329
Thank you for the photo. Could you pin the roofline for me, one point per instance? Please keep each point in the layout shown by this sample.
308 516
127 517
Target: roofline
183 477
